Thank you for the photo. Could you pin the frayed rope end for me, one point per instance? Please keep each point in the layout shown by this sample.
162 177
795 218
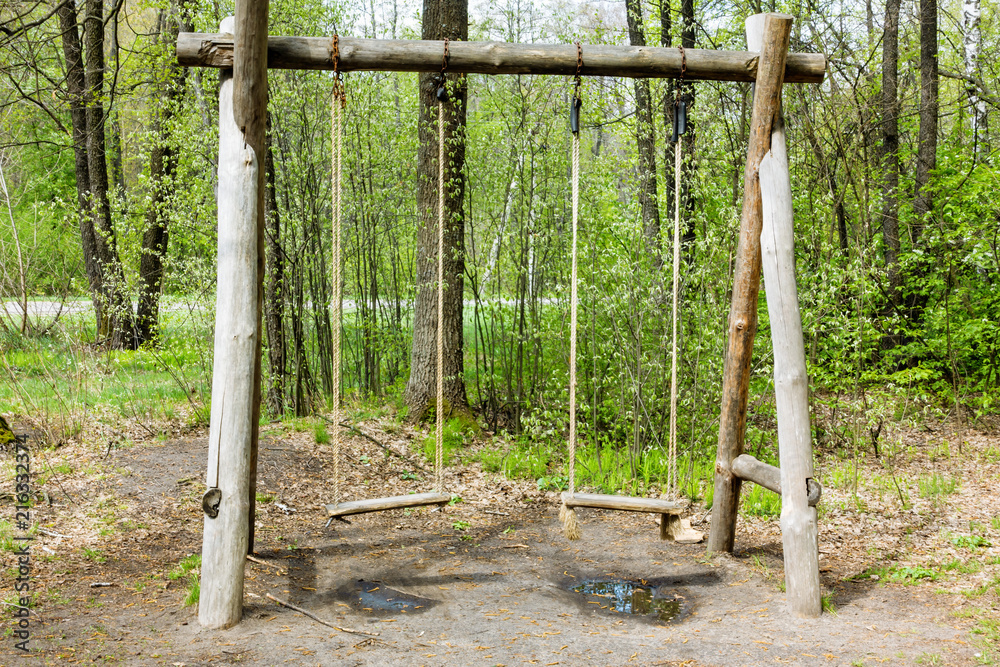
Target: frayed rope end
571 527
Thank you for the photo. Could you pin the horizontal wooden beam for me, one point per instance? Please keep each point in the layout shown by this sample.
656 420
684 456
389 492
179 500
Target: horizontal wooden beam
384 504
764 474
384 55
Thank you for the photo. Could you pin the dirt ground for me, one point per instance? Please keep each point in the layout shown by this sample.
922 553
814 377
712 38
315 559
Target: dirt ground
486 581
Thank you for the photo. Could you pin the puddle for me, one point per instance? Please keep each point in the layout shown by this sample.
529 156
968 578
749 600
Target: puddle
630 597
374 597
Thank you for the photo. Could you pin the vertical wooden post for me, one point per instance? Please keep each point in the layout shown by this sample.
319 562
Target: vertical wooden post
799 533
746 285
236 371
250 112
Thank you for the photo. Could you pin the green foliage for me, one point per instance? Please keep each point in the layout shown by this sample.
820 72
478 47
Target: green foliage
456 434
189 569
94 555
320 433
552 483
460 525
936 485
189 563
911 575
970 541
758 501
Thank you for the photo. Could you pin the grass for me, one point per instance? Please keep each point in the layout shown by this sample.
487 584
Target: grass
189 568
94 555
455 435
970 541
758 501
56 378
935 485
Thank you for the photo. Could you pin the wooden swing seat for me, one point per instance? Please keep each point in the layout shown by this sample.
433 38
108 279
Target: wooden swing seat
383 504
624 503
672 526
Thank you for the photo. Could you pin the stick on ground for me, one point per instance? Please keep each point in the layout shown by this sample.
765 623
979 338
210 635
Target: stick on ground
320 620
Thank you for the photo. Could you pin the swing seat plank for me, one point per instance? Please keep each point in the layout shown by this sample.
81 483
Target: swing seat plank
624 503
383 504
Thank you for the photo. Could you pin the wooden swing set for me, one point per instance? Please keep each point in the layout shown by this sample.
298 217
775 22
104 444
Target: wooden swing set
244 52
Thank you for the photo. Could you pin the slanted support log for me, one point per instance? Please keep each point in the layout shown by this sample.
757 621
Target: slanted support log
746 285
749 469
236 371
413 55
799 531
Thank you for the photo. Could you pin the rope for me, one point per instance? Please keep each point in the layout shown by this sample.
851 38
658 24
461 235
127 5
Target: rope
439 411
572 320
672 469
337 101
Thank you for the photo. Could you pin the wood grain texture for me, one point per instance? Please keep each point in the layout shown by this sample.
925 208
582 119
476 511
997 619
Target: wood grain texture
749 469
746 284
391 503
381 55
236 339
799 530
624 503
250 112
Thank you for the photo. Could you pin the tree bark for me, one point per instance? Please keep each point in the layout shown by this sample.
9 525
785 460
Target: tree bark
972 38
646 144
162 166
746 285
114 126
890 147
274 305
923 202
118 323
75 87
668 109
441 19
687 144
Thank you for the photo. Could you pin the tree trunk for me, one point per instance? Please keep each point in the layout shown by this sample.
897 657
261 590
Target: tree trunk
668 110
972 38
441 19
687 145
274 305
114 127
890 147
828 170
73 54
118 323
646 144
923 202
162 165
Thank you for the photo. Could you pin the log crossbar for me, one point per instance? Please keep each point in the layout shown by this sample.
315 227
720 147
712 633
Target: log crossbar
748 468
384 55
384 504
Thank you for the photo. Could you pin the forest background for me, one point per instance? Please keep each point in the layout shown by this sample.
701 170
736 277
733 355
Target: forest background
109 151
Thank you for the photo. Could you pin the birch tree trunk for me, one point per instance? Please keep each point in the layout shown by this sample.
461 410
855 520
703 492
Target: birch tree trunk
972 39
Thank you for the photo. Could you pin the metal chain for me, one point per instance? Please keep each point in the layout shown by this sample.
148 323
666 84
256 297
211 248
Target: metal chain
338 80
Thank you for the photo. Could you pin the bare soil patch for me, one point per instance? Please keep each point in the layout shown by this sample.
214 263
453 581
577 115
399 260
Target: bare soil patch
489 580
